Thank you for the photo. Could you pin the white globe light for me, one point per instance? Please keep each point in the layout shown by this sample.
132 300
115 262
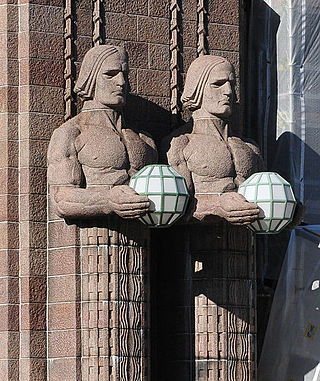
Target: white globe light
275 198
167 191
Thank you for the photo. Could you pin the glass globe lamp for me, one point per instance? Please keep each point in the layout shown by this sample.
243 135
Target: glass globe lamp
275 199
167 191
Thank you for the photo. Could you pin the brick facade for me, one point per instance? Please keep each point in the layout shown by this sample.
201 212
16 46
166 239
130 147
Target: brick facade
41 273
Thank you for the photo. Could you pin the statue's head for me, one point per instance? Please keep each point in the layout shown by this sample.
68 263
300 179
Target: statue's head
210 86
103 76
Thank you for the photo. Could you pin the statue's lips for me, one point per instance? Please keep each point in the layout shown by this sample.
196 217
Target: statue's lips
118 93
225 103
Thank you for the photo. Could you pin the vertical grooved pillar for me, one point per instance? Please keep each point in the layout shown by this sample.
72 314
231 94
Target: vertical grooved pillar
115 302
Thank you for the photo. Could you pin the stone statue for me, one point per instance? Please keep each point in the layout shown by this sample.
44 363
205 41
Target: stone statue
92 156
204 151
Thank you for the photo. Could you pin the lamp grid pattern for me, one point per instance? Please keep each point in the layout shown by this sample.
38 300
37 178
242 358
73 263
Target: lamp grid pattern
275 198
167 191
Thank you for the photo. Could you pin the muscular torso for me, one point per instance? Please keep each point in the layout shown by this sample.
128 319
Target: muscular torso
217 164
108 156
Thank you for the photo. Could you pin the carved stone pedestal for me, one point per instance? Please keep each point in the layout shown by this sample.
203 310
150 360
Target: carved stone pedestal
115 302
204 277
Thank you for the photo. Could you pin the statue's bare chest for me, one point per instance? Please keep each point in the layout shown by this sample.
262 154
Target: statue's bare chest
101 148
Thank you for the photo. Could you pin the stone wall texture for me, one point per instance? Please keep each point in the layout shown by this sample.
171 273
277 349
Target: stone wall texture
42 321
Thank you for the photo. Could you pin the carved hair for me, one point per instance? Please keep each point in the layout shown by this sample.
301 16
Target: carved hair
91 65
197 76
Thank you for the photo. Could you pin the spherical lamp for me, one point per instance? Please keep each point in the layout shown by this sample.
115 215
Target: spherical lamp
275 198
167 191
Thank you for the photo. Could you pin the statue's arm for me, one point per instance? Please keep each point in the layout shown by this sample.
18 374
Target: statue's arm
65 179
174 149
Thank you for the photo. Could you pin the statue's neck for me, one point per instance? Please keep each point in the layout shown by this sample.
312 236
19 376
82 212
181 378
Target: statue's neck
92 105
208 124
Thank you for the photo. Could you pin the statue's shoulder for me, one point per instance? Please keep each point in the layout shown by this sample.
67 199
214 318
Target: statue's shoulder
62 142
70 128
179 137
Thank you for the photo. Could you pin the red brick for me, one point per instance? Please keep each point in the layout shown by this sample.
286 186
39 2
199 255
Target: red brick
8 126
64 261
189 33
63 316
39 126
44 19
159 8
9 318
9 348
137 7
121 27
9 235
9 370
61 234
42 99
65 369
8 99
33 180
9 72
33 235
223 37
159 57
189 10
33 289
33 262
9 153
9 262
138 54
63 288
87 4
116 6
33 207
33 344
33 317
189 54
33 369
151 29
9 208
9 290
33 153
132 78
152 82
83 45
42 72
43 45
10 42
64 344
223 12
84 23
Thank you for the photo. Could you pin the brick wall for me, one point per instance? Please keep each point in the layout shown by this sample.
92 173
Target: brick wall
9 189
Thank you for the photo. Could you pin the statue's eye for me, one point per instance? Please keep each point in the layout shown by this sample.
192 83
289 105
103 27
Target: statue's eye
111 73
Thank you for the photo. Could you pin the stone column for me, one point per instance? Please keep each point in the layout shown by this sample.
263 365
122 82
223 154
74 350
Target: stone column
205 310
9 212
40 53
115 301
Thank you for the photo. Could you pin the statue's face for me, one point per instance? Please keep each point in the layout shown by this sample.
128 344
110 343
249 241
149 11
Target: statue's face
111 83
218 91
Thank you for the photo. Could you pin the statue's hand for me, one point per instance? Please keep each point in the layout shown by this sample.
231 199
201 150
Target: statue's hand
231 206
125 202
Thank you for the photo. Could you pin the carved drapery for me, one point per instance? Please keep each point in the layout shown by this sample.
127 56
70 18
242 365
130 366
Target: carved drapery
201 30
68 57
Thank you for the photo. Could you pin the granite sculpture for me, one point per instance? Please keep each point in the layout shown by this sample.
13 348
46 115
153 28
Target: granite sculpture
212 160
92 156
